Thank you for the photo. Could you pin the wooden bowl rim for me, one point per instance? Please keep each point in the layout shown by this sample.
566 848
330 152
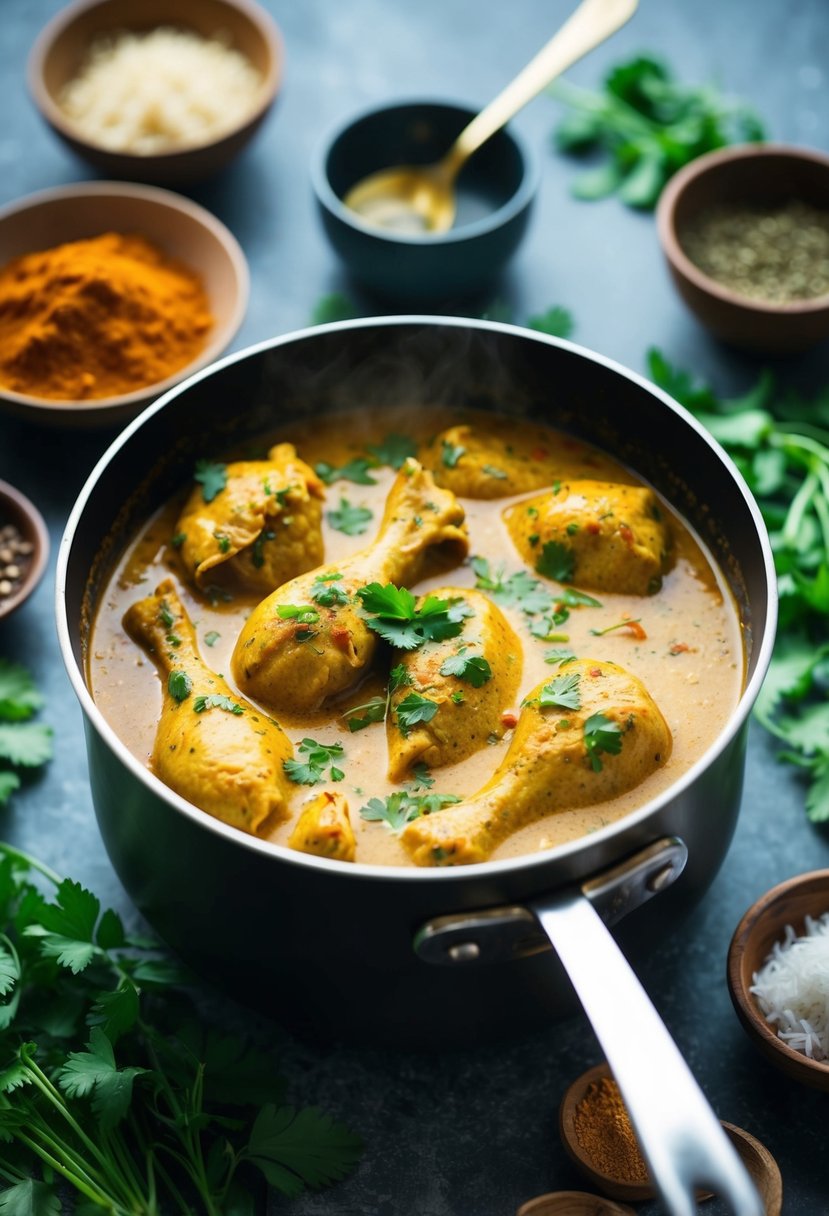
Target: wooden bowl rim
260 20
678 258
540 1204
38 533
616 1188
218 339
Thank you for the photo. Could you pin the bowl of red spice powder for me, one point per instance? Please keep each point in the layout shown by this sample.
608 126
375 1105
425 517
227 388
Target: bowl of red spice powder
110 293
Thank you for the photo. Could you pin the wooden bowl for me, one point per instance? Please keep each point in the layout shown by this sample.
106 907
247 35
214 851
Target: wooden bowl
573 1203
747 173
755 1156
61 46
15 508
173 224
763 925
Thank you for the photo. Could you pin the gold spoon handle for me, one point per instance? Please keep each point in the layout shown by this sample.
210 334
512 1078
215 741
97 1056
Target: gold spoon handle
591 23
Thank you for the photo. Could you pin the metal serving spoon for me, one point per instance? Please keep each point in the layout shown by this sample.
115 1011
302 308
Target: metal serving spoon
421 198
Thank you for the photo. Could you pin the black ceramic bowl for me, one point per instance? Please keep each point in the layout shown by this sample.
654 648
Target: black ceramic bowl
496 189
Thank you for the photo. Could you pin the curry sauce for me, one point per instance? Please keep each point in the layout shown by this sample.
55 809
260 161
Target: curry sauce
673 631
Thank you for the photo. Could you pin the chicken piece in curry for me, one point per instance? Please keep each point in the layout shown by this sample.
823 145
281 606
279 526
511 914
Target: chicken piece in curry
253 523
273 660
473 655
599 535
213 748
589 733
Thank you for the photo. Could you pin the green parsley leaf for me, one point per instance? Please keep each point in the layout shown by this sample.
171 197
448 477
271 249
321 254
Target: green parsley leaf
25 743
211 637
556 321
351 520
361 716
601 734
559 655
356 470
399 808
165 616
30 1198
212 477
392 613
451 453
298 1149
413 709
326 593
179 685
95 1072
562 691
472 668
420 779
556 561
223 541
399 678
19 698
217 701
394 450
319 757
333 307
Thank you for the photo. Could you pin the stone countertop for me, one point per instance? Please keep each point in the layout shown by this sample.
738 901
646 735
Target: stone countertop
469 1133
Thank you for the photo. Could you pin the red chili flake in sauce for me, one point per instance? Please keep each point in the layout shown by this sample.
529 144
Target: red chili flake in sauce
626 534
595 672
509 719
681 648
340 636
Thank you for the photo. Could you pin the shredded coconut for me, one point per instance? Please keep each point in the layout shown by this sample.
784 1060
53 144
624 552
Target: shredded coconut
792 988
160 91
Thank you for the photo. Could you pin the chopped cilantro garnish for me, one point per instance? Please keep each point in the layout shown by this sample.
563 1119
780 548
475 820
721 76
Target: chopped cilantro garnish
165 616
326 593
179 685
394 450
391 611
356 470
320 756
223 541
399 678
556 561
212 477
601 734
211 638
492 471
361 716
398 809
257 555
474 669
413 709
178 540
305 614
421 779
217 701
560 655
450 453
562 691
351 520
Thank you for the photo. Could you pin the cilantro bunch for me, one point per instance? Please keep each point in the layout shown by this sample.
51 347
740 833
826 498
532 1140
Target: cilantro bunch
112 1086
785 461
23 744
646 124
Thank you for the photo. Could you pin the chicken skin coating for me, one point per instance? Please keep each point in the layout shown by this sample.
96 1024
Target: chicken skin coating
589 734
601 536
214 749
489 463
301 647
263 528
324 828
471 679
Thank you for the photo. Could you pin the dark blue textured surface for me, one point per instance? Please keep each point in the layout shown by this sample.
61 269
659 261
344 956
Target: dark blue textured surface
467 1134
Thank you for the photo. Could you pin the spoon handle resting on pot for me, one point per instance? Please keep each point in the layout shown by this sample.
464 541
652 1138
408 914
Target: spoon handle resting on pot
681 1138
589 25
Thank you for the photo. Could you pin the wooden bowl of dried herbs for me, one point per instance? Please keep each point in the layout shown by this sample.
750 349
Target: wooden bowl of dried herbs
745 232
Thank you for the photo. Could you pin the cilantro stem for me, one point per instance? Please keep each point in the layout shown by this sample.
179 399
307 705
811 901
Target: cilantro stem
798 508
98 1197
32 862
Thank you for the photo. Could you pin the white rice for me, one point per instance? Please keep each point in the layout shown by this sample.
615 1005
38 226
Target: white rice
155 92
792 988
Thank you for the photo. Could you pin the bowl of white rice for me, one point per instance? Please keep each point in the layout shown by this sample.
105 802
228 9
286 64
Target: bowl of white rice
778 976
152 92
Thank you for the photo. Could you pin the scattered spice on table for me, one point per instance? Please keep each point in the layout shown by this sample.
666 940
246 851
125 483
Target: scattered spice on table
605 1133
776 253
15 559
160 90
97 318
792 988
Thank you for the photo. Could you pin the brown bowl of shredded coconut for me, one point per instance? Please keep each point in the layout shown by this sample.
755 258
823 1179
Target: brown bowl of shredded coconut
148 97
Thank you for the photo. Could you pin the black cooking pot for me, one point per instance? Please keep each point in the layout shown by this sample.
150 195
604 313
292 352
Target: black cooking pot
350 950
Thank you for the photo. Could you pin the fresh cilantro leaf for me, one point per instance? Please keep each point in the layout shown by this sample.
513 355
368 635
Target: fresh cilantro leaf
356 470
294 1149
212 477
319 757
324 591
30 1198
399 678
217 701
420 779
492 470
451 453
556 561
333 307
116 1012
472 668
570 598
394 450
392 613
19 698
556 321
25 743
601 734
305 614
95 1072
9 782
559 655
413 709
399 808
563 691
361 716
257 549
351 520
179 685
211 637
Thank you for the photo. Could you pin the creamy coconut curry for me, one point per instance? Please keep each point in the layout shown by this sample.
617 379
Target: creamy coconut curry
432 643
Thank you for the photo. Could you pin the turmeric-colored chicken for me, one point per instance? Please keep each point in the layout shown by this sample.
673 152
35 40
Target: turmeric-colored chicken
262 528
590 733
309 641
214 749
324 828
602 536
491 462
470 679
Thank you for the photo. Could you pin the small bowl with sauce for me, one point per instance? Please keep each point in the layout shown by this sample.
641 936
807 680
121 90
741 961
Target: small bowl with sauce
495 193
153 92
777 966
745 233
24 548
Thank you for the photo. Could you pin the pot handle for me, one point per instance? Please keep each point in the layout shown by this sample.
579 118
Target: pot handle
681 1138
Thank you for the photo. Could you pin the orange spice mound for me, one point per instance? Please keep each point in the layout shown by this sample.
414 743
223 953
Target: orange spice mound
605 1133
97 318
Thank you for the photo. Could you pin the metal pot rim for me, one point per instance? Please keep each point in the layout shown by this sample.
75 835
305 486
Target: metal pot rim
480 871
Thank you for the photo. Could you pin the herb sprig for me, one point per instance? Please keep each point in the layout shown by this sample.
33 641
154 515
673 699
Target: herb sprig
23 744
392 612
320 756
401 808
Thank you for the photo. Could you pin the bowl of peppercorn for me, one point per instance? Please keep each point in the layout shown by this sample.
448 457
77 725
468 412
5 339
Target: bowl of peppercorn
745 233
24 548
